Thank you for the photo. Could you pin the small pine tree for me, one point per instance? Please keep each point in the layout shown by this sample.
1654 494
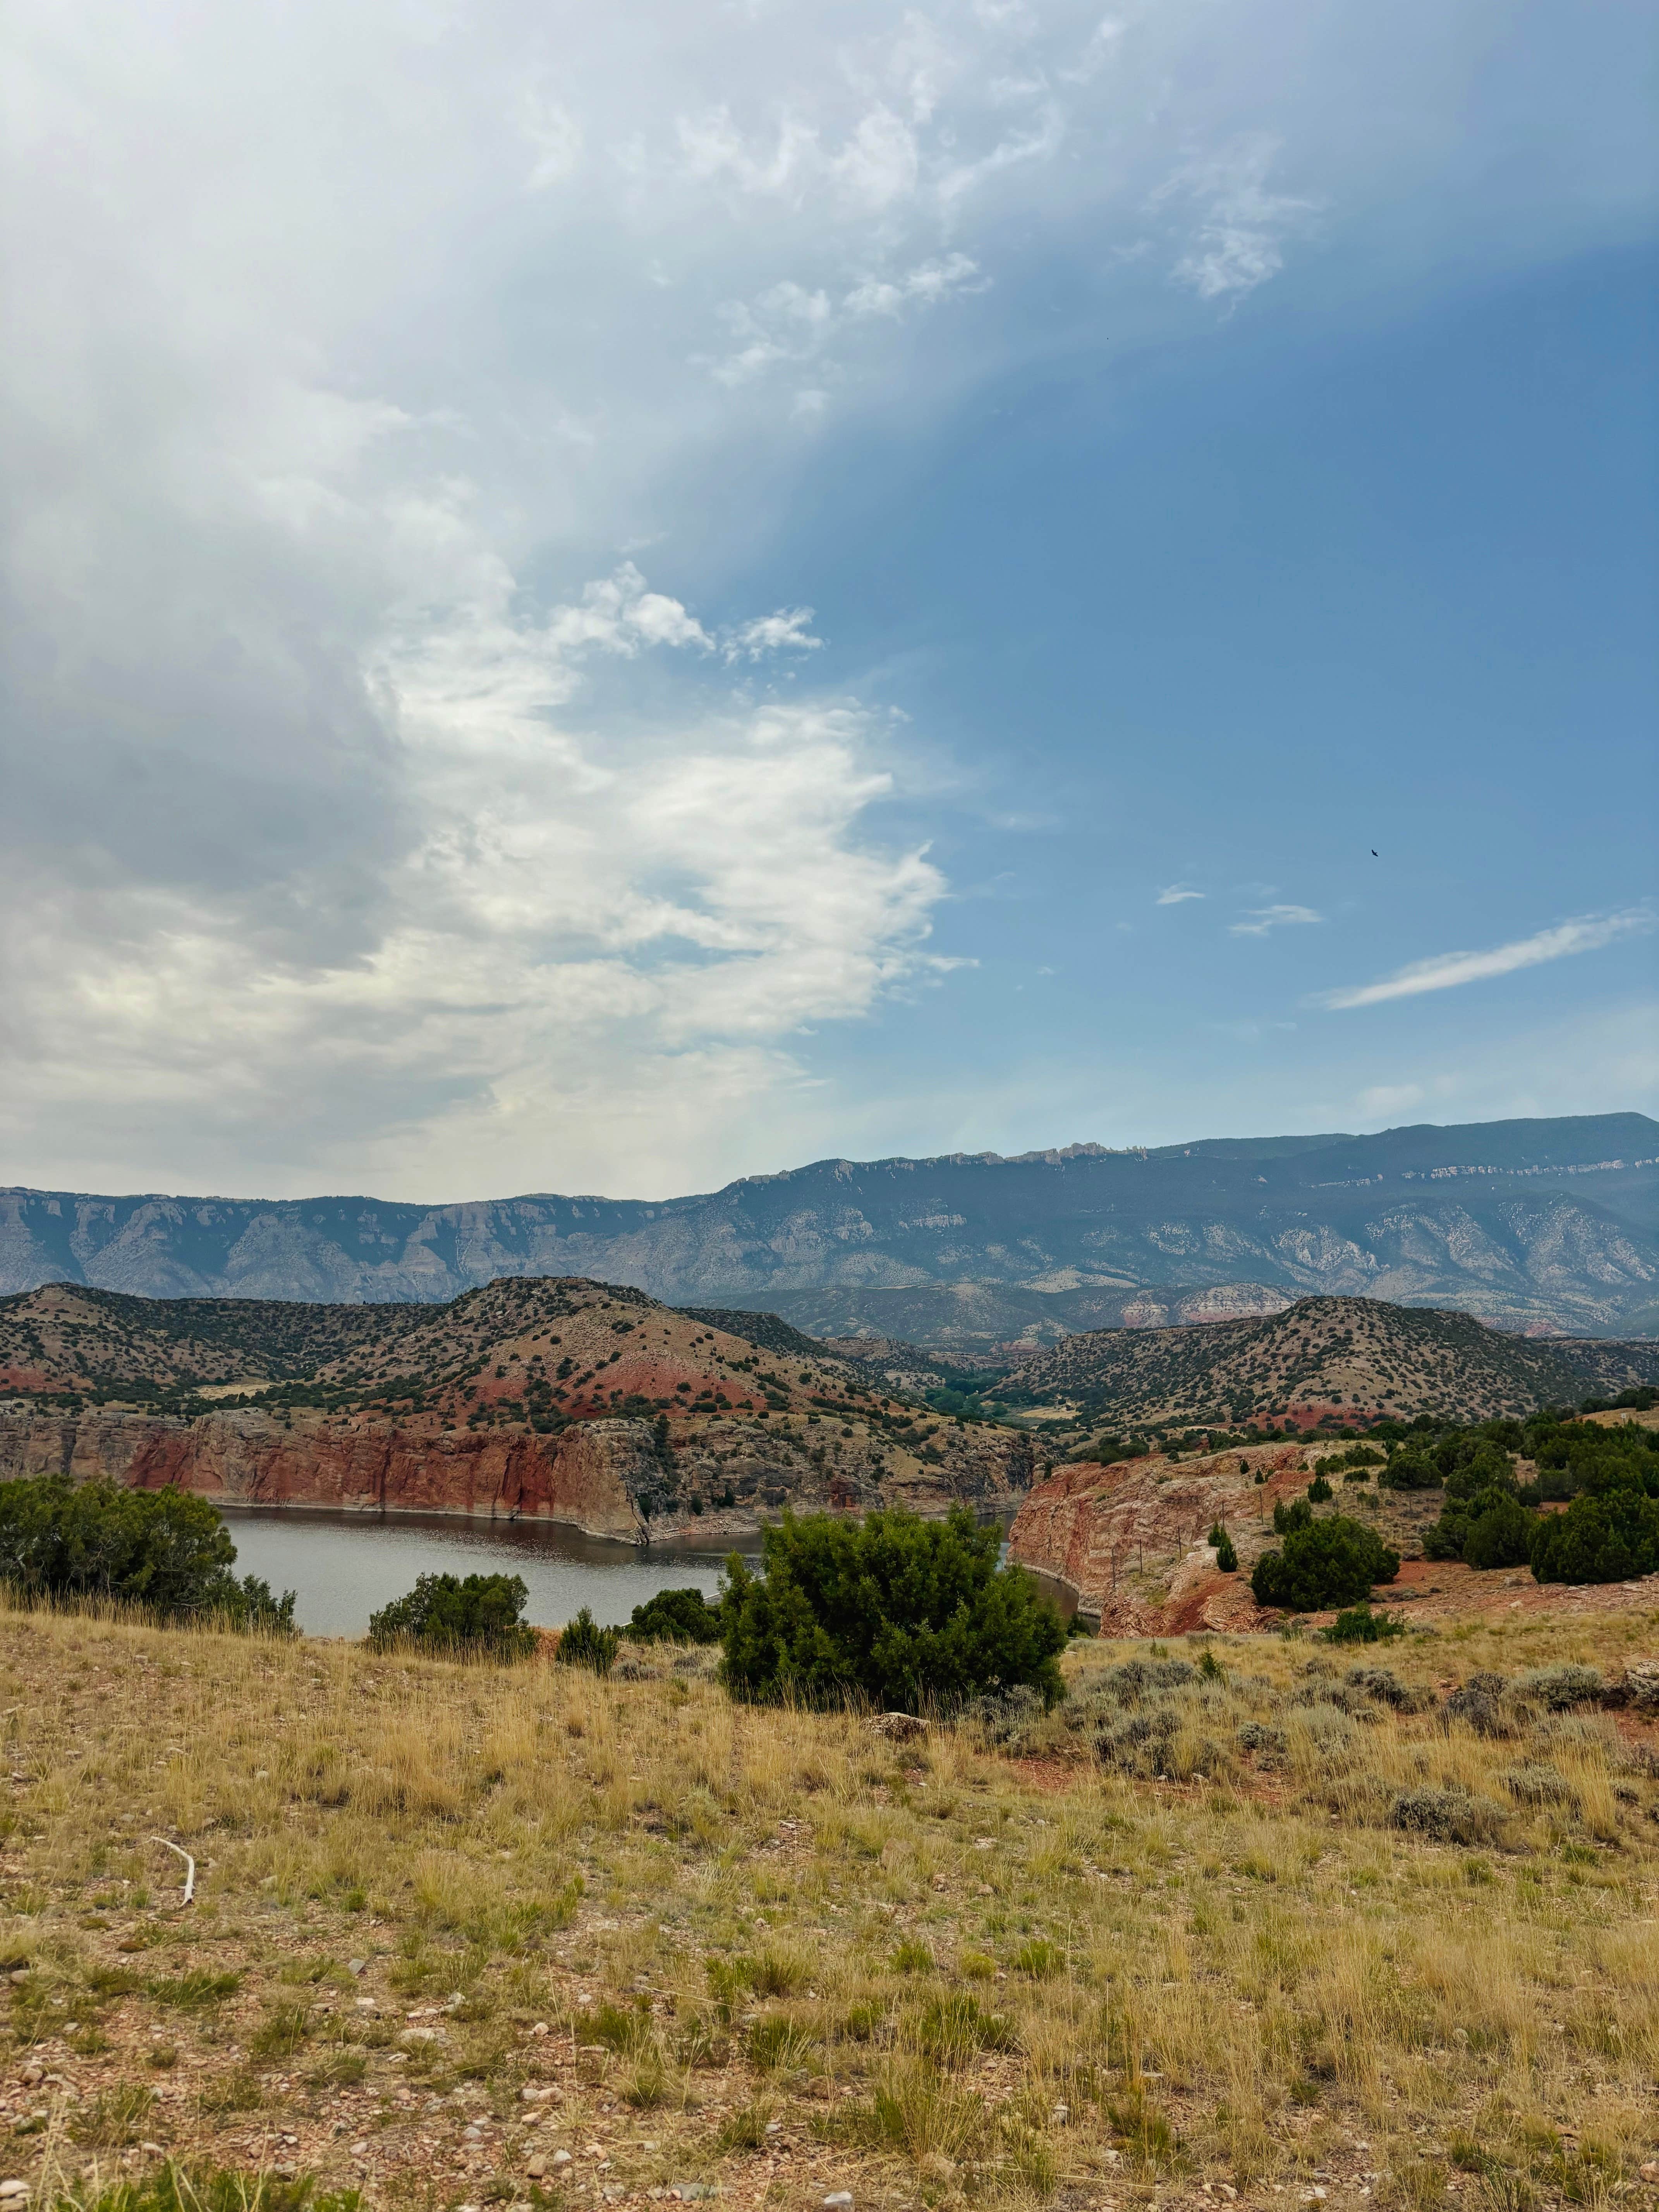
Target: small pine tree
1319 1491
1323 1563
1358 1623
583 1643
1226 1558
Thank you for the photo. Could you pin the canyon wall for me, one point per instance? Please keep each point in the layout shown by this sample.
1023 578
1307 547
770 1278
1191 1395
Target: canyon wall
1131 1540
618 1479
588 1477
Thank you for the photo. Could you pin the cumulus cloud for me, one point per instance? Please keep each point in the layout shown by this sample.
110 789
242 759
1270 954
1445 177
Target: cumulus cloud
1446 971
371 815
1262 920
1381 1100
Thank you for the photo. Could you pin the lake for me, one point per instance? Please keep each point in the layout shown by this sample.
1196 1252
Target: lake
346 1565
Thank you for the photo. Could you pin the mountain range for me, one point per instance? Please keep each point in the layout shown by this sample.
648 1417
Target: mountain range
1539 1226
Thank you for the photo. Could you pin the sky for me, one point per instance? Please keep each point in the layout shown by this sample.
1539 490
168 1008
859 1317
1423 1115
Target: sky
605 599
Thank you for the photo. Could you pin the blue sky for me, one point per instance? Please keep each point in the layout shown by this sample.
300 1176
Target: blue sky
603 603
1222 620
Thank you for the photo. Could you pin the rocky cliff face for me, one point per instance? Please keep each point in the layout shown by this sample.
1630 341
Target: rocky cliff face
618 1478
1548 1223
1131 1540
589 1477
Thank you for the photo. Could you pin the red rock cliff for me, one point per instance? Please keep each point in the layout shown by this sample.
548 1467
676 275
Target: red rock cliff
1132 1539
586 1477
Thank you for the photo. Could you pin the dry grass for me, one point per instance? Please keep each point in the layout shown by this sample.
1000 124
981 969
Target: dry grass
452 1920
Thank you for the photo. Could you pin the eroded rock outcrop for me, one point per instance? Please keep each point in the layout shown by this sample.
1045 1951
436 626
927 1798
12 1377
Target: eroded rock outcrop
588 1476
623 1479
1131 1540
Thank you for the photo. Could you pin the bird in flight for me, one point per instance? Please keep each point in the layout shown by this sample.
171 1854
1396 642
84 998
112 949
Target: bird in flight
1374 852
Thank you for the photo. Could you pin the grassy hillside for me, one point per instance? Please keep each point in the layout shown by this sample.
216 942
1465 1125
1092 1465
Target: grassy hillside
1270 1931
1357 1358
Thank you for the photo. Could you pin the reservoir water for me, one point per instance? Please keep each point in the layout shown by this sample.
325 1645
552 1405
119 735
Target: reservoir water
346 1565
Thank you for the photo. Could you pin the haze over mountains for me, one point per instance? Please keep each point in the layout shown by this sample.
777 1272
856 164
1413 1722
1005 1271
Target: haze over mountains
1547 1226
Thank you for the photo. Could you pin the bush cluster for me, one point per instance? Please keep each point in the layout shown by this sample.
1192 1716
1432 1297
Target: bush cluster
1334 1562
166 1551
583 1643
1607 1478
481 1615
897 1610
675 1616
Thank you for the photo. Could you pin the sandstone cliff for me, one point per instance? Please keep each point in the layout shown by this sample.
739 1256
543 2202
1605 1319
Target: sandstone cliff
619 1478
1131 1540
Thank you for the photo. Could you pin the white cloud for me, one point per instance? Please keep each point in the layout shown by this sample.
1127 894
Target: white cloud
1264 918
364 819
789 324
1243 227
928 282
560 909
787 628
1446 970
1176 894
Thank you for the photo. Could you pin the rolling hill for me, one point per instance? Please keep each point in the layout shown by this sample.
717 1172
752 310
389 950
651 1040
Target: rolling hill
565 1399
1341 1358
1541 1224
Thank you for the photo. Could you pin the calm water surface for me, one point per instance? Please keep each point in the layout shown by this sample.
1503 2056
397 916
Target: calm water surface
346 1565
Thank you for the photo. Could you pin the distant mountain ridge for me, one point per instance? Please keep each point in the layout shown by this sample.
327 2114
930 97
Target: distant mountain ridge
1538 1225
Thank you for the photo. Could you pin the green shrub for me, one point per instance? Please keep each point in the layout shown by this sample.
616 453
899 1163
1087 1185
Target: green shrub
1358 1623
168 1551
583 1643
1227 1557
1500 1535
1326 1563
898 1610
1559 1689
453 1612
675 1616
1609 1538
1040 1959
1410 1470
171 2188
1448 1816
1319 1491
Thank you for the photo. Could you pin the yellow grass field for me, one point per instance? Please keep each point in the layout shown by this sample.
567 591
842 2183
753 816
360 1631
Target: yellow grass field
464 1935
